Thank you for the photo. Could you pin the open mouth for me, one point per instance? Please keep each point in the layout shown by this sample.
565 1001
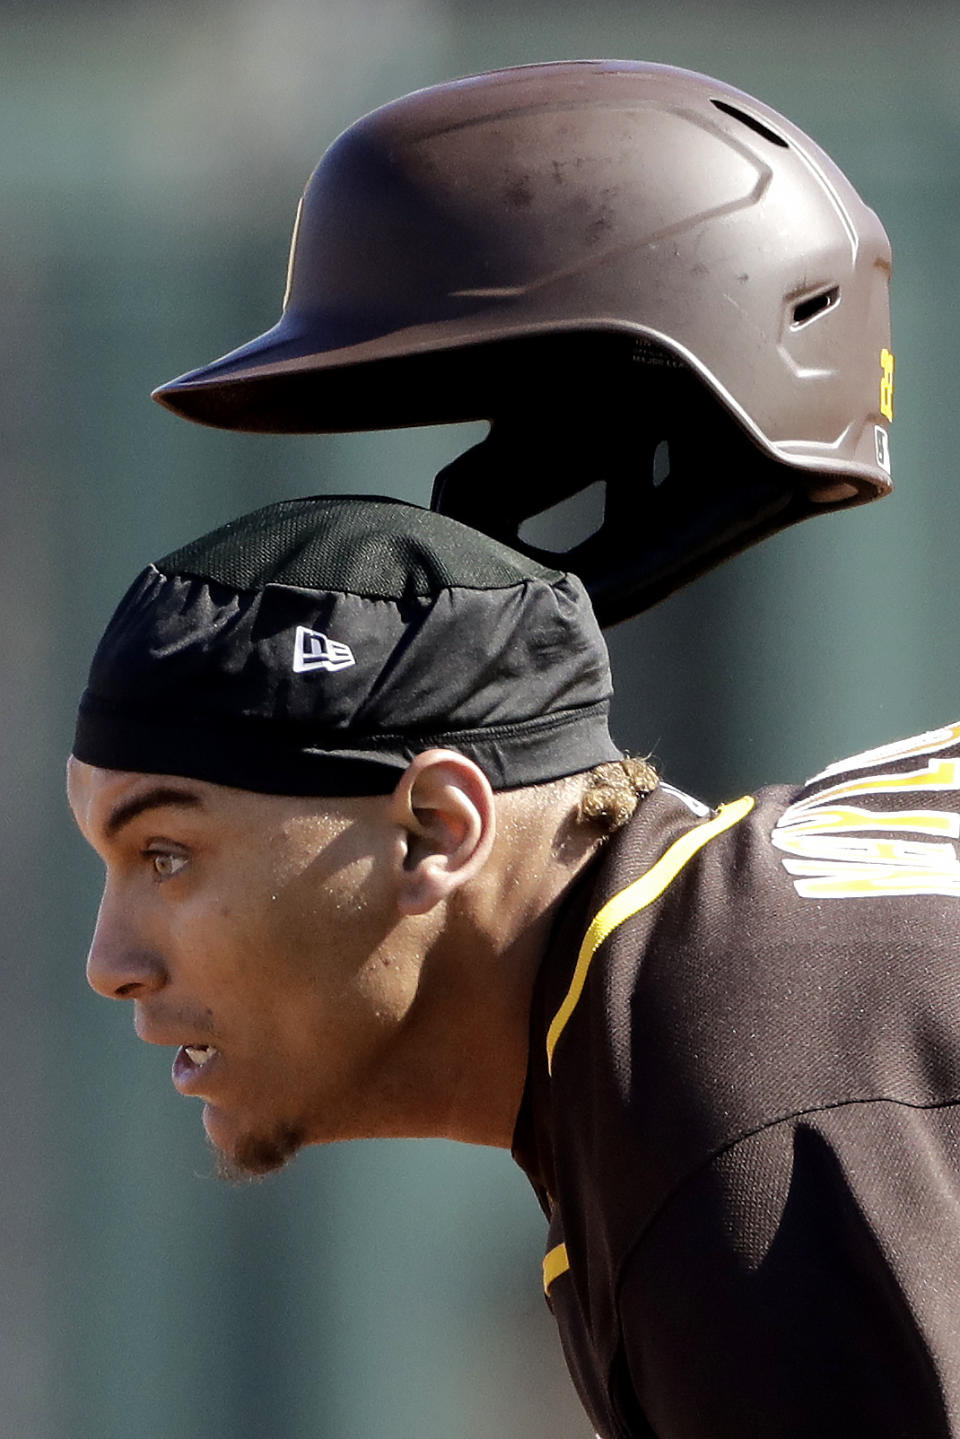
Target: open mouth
199 1053
193 1063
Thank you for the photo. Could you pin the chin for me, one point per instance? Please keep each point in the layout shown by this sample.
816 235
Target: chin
253 1153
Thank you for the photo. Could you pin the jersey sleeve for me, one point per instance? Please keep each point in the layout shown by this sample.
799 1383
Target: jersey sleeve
804 1282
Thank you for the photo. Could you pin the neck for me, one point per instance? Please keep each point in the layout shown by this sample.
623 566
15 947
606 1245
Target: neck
474 1009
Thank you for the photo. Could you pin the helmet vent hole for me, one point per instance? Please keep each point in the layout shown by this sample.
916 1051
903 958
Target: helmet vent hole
661 463
806 310
563 526
756 125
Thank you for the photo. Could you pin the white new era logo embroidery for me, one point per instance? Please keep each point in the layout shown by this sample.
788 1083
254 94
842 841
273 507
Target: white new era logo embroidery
315 651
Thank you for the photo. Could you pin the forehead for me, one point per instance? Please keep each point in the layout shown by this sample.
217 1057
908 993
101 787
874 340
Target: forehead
98 796
95 794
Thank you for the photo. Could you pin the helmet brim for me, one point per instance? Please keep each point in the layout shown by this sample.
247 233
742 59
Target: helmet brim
431 374
281 383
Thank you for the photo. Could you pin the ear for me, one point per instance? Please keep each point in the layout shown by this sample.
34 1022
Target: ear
445 808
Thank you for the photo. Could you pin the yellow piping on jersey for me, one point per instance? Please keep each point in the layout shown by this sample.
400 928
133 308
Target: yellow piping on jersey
637 896
555 1263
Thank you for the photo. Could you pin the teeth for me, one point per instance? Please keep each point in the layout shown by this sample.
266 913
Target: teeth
199 1053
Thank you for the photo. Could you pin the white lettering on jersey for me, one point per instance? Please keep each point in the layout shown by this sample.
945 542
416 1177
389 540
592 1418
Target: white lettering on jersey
929 743
839 850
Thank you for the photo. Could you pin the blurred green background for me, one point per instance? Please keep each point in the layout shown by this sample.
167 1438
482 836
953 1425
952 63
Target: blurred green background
151 162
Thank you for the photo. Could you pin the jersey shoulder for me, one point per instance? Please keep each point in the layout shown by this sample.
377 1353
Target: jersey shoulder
882 823
789 953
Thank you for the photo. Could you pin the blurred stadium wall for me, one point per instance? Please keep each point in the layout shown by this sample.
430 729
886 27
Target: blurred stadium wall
151 163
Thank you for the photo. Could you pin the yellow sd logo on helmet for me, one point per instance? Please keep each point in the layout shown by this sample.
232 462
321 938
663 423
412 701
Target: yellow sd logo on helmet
886 384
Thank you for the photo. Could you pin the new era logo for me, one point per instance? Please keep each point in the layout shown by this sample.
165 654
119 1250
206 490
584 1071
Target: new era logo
315 651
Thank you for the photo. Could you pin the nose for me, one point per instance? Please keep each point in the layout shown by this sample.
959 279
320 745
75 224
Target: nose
118 965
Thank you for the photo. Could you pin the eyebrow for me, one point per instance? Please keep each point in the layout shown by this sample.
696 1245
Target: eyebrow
156 798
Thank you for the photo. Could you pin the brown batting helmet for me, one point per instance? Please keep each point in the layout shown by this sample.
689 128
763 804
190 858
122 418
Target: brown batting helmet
641 254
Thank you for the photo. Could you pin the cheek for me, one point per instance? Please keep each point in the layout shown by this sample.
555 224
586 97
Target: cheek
329 927
220 946
294 960
344 975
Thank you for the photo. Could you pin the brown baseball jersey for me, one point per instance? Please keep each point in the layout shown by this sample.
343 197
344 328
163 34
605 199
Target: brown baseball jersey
742 1112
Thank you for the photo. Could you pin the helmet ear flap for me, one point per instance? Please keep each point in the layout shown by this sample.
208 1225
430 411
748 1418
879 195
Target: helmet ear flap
509 479
633 499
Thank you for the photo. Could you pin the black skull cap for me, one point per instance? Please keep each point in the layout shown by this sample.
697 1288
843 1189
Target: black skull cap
317 645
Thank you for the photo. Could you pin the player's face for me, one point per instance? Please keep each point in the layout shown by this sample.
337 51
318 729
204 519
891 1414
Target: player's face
259 936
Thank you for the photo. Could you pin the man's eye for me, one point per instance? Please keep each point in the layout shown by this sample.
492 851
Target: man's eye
165 865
